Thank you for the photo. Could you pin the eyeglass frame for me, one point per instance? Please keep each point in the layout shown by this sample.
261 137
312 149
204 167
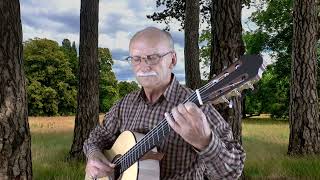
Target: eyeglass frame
147 58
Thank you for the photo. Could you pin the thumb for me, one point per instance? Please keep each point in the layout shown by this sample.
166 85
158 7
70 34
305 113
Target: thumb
107 162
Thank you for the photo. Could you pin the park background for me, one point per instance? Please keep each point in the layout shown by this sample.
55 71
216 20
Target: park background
51 63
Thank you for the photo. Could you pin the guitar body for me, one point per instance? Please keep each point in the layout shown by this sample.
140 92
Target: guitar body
147 169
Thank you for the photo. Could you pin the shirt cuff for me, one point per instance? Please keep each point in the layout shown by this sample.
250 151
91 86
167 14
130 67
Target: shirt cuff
212 150
91 150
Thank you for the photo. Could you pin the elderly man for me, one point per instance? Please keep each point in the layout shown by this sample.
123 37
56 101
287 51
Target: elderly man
201 145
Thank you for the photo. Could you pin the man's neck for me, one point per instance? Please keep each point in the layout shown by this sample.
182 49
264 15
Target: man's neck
153 94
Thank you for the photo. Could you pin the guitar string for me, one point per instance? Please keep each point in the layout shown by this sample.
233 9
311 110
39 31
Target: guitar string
159 126
152 133
149 136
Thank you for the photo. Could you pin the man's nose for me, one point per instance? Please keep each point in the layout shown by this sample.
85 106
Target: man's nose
144 61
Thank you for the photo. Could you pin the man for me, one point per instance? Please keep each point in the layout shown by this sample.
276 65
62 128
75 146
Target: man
201 145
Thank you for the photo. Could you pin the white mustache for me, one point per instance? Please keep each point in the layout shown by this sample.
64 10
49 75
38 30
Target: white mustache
145 74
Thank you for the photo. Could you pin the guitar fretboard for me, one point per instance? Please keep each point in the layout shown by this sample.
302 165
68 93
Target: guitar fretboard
149 141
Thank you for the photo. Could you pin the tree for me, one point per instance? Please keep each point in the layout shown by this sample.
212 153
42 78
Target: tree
51 84
108 90
71 52
127 87
15 139
304 111
227 46
87 116
191 50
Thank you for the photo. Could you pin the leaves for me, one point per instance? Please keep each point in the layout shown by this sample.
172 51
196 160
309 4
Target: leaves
51 83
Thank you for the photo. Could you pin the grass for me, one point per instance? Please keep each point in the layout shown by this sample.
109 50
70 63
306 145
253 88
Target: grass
264 140
266 143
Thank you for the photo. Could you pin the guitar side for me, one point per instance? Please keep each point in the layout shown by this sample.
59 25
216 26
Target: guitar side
141 170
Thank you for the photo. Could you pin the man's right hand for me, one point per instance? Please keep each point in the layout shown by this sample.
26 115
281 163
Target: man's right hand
98 166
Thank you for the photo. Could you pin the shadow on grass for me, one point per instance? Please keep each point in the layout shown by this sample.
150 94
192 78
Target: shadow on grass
267 160
49 152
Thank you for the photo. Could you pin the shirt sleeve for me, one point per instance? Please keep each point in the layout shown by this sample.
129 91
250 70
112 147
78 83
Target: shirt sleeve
224 157
104 135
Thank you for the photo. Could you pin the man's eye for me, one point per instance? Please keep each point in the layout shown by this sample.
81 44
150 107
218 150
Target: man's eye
153 57
135 58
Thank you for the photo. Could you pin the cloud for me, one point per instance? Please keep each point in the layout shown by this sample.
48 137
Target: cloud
178 37
119 54
123 70
118 21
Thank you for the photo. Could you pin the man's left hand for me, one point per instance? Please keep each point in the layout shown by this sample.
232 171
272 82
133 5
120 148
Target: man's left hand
191 124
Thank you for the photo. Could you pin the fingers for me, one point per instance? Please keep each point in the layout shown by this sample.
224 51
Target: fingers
174 125
108 163
99 166
192 109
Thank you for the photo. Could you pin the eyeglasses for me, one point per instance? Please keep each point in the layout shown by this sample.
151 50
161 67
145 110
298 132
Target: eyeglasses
152 59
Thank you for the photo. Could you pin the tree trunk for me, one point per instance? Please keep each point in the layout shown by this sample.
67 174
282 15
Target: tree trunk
227 45
87 116
15 140
304 112
191 50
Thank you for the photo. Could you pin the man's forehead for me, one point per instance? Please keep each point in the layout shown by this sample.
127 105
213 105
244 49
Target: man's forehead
141 48
145 51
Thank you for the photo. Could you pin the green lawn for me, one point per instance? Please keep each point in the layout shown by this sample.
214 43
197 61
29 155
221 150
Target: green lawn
266 143
264 140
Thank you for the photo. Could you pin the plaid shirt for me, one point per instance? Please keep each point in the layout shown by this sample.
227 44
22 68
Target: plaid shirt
222 159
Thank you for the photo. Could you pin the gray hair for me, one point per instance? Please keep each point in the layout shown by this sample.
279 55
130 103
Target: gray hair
149 31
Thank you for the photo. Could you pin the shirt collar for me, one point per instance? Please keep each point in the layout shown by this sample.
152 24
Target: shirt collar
170 93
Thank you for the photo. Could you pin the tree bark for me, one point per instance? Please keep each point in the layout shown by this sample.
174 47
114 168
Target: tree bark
15 139
227 45
191 50
304 111
87 116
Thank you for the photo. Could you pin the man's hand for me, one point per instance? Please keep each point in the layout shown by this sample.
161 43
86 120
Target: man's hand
191 124
98 166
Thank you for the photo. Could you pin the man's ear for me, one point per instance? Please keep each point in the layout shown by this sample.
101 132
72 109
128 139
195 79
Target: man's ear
173 60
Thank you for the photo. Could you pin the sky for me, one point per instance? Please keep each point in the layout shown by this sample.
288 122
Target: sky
119 20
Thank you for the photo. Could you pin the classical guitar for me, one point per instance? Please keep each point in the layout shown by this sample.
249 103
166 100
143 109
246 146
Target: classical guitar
135 154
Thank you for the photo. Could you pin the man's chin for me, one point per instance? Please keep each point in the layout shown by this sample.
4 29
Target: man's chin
147 83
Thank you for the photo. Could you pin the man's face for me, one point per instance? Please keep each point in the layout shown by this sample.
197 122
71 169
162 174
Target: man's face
157 75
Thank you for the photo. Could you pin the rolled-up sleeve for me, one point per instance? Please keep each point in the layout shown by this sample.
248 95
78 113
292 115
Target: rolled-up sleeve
224 157
104 135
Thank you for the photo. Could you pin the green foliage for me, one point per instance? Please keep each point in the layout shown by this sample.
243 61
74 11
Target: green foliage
274 35
175 9
108 90
127 87
52 72
255 43
49 78
205 50
71 52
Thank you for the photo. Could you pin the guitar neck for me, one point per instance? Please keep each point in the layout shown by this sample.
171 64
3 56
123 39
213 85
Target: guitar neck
247 68
149 141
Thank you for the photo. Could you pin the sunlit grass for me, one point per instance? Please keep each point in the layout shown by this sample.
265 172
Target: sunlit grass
51 141
266 143
264 140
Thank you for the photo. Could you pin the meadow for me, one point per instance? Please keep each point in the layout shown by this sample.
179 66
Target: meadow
265 141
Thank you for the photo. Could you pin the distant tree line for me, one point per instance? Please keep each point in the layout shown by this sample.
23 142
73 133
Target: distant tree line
52 78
